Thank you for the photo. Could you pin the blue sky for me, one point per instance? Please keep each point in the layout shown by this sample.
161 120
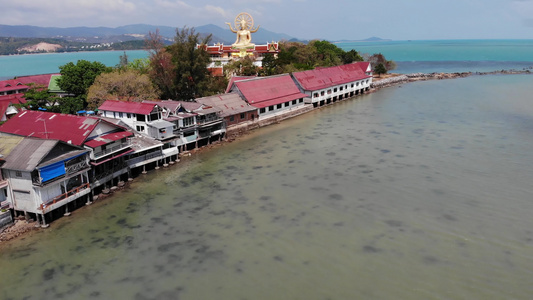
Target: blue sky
304 19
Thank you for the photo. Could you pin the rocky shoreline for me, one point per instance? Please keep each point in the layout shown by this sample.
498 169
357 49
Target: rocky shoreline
393 79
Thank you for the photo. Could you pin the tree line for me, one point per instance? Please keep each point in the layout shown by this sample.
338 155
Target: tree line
179 71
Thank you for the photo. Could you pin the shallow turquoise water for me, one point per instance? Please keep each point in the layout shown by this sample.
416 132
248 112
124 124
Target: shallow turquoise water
421 191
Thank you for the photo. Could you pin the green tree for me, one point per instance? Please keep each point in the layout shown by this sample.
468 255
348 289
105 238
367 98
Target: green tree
241 67
77 78
351 56
141 65
270 65
126 85
378 58
38 96
123 61
189 64
380 69
161 69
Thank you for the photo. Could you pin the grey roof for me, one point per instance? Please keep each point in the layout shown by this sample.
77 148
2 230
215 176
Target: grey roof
28 154
229 104
160 124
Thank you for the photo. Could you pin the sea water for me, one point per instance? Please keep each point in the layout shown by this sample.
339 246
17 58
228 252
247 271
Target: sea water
410 56
34 64
419 191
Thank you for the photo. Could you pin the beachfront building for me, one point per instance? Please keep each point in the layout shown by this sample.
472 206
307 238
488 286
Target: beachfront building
233 109
328 85
44 175
108 143
143 117
270 95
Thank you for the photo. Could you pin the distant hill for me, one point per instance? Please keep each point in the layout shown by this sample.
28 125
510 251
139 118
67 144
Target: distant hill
128 33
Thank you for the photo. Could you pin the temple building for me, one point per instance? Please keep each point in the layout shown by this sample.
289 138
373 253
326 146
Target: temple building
243 47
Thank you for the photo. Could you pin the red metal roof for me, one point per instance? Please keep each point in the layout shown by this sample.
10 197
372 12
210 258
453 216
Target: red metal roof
12 84
43 79
266 91
236 78
141 108
322 78
68 128
7 100
108 138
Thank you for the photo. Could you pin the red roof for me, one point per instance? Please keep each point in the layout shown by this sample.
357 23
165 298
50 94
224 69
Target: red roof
365 66
108 138
67 128
236 78
322 78
12 84
7 100
266 91
141 108
43 79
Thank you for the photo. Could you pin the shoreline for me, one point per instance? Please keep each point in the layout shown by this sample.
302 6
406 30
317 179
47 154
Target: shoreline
21 227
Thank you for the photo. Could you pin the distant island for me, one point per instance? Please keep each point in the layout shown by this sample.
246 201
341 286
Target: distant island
370 39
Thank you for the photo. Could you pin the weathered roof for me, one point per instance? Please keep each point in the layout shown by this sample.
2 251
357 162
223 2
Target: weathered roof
266 91
28 153
322 78
68 128
8 143
190 106
141 108
159 124
229 104
168 104
108 138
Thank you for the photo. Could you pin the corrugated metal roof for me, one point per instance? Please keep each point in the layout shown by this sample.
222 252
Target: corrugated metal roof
28 154
8 143
141 108
108 138
12 84
229 104
266 91
322 78
45 125
168 104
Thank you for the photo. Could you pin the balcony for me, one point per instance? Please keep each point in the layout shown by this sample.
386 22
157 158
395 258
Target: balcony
71 195
112 149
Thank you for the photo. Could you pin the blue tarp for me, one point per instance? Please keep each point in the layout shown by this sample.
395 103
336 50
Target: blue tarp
52 171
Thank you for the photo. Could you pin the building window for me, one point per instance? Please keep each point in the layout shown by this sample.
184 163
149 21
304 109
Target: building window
322 93
301 100
18 173
334 90
262 110
341 88
293 102
141 118
358 83
315 95
231 118
278 106
242 116
120 115
128 116
352 85
186 134
271 108
287 103
329 92
140 128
